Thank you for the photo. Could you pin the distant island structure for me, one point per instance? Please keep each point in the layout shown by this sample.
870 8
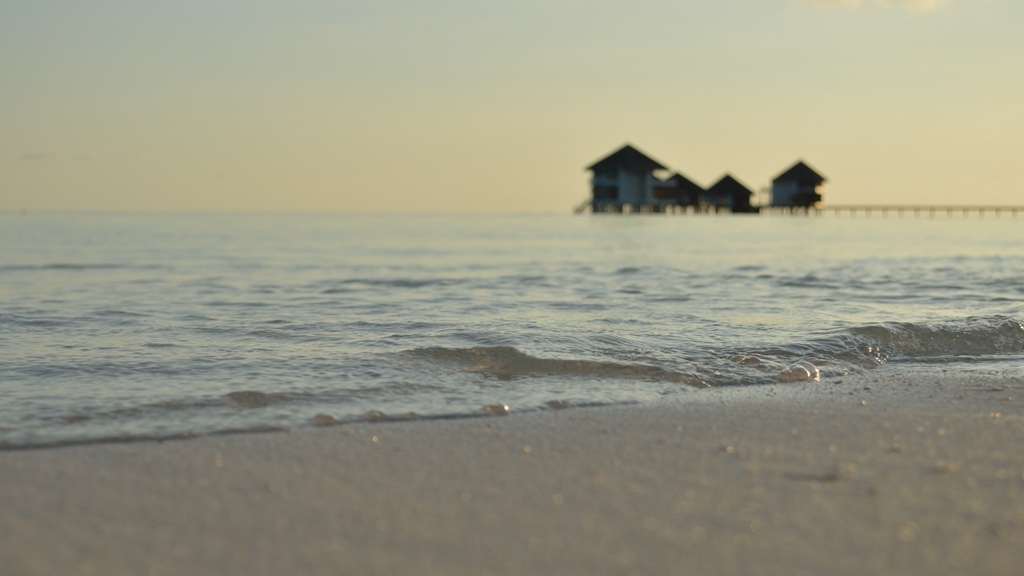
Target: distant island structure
727 194
798 186
625 180
628 180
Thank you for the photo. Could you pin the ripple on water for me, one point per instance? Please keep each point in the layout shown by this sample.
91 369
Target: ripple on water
254 399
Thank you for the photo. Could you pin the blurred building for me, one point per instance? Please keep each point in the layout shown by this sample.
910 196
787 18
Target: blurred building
727 194
627 180
800 186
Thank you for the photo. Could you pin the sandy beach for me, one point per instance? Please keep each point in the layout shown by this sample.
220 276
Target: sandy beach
885 473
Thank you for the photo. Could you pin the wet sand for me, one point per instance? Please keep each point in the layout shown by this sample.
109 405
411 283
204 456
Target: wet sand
911 476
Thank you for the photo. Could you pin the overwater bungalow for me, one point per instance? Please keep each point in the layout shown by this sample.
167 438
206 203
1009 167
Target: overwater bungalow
728 194
687 191
797 187
627 180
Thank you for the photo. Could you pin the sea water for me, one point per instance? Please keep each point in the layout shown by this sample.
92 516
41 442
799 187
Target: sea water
136 326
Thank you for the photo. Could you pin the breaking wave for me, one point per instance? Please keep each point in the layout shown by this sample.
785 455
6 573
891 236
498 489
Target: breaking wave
852 350
972 337
506 362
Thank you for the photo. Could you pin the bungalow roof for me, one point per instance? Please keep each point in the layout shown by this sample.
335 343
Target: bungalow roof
684 184
627 157
729 186
800 172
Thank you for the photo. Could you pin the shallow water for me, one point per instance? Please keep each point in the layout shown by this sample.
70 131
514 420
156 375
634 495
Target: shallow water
148 326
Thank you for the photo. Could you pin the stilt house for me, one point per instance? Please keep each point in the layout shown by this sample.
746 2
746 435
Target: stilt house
800 186
687 193
727 194
626 179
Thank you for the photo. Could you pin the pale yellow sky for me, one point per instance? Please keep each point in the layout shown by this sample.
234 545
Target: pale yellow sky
497 105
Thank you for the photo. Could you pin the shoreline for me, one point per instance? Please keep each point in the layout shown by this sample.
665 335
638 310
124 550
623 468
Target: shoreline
887 472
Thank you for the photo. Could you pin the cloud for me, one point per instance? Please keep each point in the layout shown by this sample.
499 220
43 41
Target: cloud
912 5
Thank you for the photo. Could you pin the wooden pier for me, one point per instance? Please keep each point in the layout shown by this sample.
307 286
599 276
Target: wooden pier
899 210
862 210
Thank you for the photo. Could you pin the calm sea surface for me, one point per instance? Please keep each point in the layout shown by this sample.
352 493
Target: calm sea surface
151 326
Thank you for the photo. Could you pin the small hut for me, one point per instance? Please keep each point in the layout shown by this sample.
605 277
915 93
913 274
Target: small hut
728 194
687 193
626 178
800 186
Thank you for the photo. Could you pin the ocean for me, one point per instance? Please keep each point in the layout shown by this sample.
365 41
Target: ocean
119 327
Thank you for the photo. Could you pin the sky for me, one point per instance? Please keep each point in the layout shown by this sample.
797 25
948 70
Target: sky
497 106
